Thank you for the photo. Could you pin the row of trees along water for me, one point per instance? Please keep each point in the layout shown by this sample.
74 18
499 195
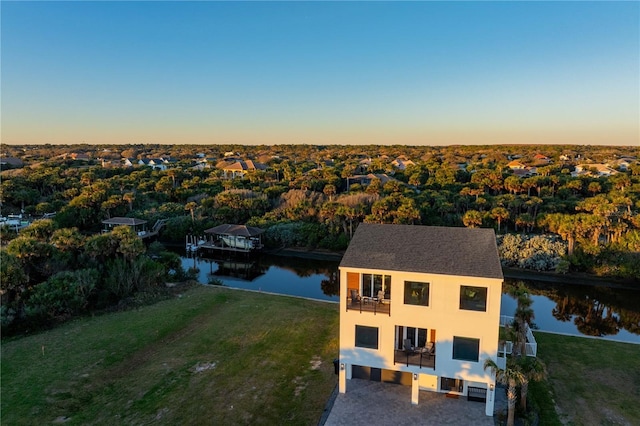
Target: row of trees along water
306 197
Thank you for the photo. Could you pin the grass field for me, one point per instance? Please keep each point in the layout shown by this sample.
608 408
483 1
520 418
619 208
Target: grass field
212 356
595 382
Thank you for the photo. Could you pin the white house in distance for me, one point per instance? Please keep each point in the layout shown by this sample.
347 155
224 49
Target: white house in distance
420 306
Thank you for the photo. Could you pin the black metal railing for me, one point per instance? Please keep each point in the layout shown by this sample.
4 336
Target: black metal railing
419 357
369 304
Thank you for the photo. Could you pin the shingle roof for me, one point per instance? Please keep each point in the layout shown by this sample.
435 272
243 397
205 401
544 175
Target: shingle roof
425 249
124 221
235 230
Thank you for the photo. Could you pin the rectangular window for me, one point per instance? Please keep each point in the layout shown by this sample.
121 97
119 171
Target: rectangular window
416 293
466 349
418 336
374 283
473 298
366 337
449 384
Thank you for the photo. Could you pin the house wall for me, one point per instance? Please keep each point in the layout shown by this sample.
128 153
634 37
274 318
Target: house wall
442 315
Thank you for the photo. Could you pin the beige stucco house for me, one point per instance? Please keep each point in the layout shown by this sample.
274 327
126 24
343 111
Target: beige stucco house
420 306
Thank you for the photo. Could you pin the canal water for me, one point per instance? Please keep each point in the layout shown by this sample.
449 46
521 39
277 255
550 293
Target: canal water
599 311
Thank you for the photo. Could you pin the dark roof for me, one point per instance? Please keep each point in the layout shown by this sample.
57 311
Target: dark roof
235 230
425 249
131 221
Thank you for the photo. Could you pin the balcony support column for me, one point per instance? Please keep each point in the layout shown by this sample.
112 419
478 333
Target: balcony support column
343 371
415 389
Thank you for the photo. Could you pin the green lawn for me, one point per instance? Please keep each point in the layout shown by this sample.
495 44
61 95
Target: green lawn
211 356
594 382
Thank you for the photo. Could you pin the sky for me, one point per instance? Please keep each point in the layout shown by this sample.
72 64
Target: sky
412 73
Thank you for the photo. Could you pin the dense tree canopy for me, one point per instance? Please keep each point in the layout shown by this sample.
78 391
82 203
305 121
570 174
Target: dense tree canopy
309 196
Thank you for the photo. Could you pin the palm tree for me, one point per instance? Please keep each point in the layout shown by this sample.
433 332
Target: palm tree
191 206
523 314
329 190
472 219
499 214
511 377
531 369
129 197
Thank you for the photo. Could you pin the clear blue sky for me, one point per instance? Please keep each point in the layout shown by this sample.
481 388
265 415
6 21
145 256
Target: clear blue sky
419 73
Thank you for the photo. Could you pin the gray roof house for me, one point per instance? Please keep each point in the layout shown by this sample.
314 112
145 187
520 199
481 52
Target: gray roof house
420 307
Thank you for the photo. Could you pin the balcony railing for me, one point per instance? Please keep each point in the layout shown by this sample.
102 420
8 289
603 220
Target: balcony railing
530 347
422 359
369 304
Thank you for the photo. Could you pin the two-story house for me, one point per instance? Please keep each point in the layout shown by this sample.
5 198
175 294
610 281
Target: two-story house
420 306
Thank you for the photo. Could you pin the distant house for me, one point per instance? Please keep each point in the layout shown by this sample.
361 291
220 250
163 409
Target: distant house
515 165
402 162
541 159
238 168
108 163
79 156
420 306
623 163
155 163
129 162
138 225
526 172
205 162
363 166
365 180
521 170
595 169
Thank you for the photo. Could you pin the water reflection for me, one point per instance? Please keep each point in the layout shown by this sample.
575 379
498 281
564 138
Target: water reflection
316 279
564 308
588 310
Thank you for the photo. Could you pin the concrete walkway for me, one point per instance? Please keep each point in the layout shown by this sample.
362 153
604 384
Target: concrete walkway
376 403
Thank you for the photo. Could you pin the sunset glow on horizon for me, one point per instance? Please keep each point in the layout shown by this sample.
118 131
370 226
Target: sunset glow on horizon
411 73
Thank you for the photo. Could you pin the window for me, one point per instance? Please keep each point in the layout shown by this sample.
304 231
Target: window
449 384
466 349
416 293
418 336
373 283
366 337
473 298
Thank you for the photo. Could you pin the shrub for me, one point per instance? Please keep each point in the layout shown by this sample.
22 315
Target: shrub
64 294
541 253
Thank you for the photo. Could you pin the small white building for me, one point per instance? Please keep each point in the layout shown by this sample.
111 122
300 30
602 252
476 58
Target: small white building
420 306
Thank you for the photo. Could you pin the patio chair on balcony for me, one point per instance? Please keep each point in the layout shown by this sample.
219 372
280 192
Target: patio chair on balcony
381 297
408 347
430 349
355 297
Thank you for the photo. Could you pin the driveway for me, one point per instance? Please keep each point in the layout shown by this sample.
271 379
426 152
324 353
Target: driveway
376 403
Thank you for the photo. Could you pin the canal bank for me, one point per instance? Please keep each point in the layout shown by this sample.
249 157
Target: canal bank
570 278
576 278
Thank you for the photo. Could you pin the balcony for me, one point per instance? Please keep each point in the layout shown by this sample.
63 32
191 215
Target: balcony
506 348
419 357
369 304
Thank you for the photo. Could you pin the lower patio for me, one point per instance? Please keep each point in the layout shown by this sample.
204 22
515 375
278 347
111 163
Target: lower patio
376 403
